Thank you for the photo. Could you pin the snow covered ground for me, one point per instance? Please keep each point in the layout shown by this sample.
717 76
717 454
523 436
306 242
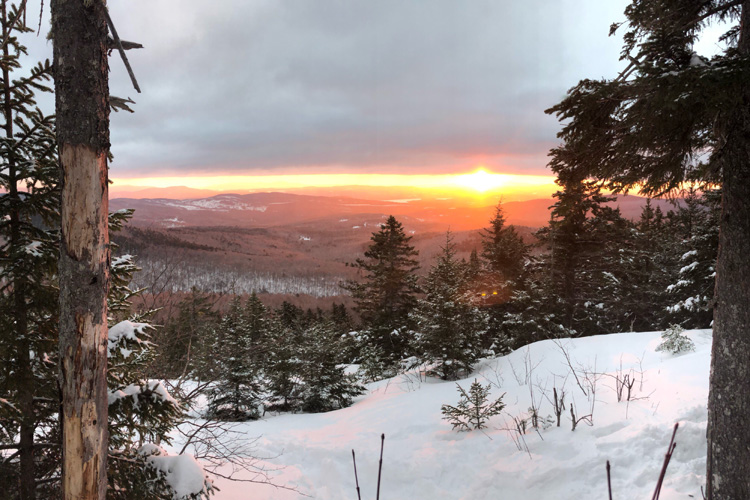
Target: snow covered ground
425 459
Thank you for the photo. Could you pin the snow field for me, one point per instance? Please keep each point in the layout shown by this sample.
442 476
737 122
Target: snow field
425 460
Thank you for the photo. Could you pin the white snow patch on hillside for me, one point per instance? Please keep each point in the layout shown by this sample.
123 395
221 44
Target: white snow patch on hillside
425 460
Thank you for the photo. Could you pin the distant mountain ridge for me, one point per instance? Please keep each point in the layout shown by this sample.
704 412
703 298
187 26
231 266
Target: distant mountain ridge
279 208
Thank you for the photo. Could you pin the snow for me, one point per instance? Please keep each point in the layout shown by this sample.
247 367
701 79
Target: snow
33 249
222 203
154 387
124 330
183 473
424 459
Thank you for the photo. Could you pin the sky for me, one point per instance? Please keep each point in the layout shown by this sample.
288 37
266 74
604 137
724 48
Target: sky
284 87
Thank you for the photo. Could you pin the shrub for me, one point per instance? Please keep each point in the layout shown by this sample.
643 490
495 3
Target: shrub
473 409
674 341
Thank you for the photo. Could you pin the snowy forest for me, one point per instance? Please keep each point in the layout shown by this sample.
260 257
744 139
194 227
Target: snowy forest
581 347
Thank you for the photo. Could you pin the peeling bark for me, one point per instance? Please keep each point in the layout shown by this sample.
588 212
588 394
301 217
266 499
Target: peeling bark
80 43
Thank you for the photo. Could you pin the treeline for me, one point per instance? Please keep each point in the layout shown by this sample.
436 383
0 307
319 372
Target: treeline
257 359
590 272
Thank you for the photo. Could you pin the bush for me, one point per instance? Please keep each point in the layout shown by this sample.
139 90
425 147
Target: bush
674 341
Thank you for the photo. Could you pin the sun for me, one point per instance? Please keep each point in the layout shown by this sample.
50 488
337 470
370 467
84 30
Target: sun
480 180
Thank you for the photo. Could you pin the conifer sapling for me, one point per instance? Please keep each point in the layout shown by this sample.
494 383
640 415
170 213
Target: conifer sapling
473 409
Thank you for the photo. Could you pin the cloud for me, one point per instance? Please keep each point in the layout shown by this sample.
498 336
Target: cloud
351 85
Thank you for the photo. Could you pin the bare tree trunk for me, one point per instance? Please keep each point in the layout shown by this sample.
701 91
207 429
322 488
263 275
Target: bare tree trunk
82 106
729 398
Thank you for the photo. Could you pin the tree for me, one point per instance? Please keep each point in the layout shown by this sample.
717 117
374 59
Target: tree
586 266
29 198
448 323
673 116
503 249
473 409
696 224
236 394
388 294
79 34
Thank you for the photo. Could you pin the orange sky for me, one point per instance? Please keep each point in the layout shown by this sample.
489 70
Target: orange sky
478 183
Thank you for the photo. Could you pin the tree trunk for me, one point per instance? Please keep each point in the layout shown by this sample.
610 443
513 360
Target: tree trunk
729 398
82 107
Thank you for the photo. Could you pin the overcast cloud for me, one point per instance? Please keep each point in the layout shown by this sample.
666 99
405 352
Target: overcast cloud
392 86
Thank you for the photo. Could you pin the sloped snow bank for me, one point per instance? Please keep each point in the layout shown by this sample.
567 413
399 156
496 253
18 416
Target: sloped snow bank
425 459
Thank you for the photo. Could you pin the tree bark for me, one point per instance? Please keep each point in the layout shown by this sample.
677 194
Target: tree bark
82 106
728 458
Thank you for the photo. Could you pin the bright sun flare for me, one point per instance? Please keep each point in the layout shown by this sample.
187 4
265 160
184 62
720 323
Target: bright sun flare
481 180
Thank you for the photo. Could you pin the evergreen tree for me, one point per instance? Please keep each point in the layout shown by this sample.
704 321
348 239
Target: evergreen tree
29 199
325 385
142 413
503 250
697 227
673 116
388 294
650 271
589 257
185 344
449 325
236 394
473 409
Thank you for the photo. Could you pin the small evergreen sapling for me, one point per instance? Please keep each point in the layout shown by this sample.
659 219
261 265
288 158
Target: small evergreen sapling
674 341
473 409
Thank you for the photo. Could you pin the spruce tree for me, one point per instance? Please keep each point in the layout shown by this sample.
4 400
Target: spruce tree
696 224
503 250
236 394
29 218
449 325
589 257
674 116
388 293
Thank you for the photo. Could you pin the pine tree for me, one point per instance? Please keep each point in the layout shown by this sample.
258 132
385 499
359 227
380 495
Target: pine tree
325 384
696 224
673 116
503 250
449 325
473 409
236 394
388 294
29 216
589 257
650 271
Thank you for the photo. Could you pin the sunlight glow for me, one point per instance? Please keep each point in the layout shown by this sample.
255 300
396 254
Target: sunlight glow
478 184
481 180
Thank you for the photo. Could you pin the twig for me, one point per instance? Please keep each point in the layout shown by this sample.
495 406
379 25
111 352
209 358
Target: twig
356 479
21 10
667 457
121 50
380 465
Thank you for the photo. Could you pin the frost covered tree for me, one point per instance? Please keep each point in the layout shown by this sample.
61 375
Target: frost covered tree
675 116
696 228
448 323
235 396
388 293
